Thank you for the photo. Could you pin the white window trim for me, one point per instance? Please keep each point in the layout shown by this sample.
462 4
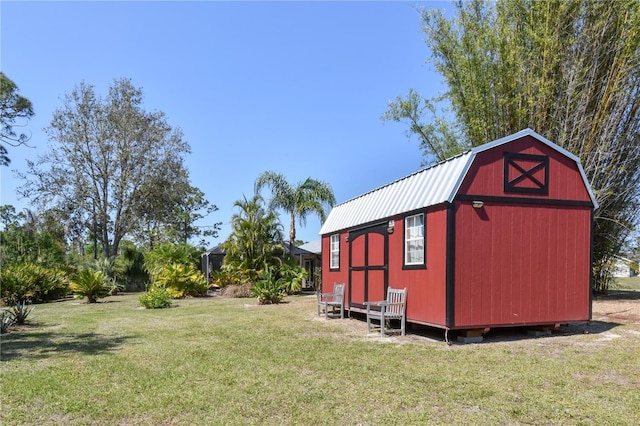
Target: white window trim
407 240
334 247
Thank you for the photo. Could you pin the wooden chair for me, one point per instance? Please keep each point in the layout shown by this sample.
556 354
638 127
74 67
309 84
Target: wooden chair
333 300
392 308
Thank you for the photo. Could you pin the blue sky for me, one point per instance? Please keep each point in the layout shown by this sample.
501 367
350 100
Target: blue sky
293 87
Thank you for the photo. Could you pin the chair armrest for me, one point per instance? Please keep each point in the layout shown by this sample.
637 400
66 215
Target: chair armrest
381 303
323 297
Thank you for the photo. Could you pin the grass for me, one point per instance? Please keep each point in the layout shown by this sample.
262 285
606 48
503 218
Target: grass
628 283
229 361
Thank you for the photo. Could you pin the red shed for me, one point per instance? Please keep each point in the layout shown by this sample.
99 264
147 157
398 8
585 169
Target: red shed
498 236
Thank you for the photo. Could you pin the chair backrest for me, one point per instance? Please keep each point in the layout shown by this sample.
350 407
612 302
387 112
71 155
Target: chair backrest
396 298
338 292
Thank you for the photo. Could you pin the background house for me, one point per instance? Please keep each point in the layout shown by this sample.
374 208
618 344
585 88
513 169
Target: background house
622 268
211 260
308 256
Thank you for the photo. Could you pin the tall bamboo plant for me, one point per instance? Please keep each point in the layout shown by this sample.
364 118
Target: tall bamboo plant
569 69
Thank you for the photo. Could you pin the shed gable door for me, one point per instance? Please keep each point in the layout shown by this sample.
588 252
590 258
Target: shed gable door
368 265
526 173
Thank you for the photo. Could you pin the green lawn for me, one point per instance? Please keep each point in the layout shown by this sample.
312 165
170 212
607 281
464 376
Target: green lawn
629 283
228 361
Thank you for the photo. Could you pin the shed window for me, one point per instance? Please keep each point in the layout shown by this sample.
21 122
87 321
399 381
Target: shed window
414 240
335 252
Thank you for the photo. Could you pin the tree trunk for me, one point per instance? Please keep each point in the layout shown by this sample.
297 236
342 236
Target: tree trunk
292 234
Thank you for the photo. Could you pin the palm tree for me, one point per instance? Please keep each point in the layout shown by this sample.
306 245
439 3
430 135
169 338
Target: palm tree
310 196
255 239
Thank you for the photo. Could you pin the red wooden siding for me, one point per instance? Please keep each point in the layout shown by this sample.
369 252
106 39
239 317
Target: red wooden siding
522 263
518 264
426 288
486 175
339 276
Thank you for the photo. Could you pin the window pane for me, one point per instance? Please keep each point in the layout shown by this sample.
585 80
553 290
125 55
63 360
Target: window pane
414 240
335 252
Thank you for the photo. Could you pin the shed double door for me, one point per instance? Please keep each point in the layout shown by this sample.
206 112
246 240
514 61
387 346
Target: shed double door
368 265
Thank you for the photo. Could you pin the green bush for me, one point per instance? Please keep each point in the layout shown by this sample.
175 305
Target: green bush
180 280
268 289
156 297
90 284
227 277
168 253
292 276
32 282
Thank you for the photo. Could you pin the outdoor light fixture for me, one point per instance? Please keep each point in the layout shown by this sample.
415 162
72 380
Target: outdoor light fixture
477 204
390 226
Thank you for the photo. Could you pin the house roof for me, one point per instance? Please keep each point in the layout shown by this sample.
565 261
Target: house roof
428 187
215 250
313 246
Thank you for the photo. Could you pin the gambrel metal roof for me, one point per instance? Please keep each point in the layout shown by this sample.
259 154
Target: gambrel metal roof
428 187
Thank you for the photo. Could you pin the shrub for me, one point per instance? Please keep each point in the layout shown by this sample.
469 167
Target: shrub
114 287
292 276
32 282
20 312
90 284
168 253
104 265
227 277
268 289
156 297
108 268
180 280
6 321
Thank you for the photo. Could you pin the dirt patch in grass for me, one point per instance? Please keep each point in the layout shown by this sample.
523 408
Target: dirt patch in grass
618 306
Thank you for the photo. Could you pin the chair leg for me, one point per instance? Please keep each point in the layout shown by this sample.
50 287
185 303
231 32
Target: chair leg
341 311
382 321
